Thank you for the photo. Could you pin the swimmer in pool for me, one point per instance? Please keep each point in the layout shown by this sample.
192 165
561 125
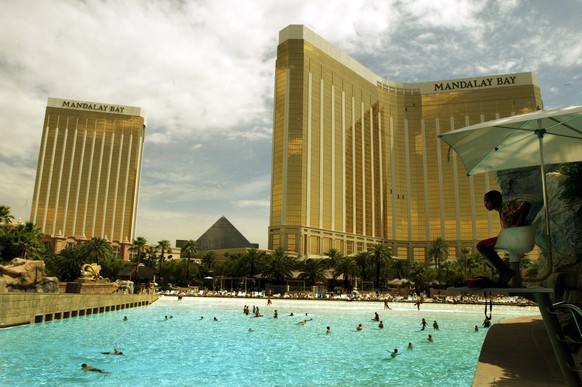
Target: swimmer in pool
115 352
87 368
394 353
423 324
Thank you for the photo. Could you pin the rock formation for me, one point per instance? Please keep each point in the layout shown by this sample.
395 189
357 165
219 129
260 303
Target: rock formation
565 217
23 275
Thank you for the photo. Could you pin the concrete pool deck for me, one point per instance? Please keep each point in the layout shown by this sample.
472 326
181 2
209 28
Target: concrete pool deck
518 352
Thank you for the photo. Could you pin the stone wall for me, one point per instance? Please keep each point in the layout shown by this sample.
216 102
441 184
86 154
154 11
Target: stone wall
30 308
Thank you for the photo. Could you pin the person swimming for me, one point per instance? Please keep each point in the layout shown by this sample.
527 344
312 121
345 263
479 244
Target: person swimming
115 352
394 353
87 368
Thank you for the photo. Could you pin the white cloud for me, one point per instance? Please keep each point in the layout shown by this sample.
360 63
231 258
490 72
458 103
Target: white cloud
203 72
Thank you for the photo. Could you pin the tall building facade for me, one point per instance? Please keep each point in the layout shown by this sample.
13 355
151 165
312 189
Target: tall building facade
356 159
88 174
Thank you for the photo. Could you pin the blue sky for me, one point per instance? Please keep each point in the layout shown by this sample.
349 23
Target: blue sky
204 73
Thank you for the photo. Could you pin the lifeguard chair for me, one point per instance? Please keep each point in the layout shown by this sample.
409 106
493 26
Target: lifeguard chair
516 241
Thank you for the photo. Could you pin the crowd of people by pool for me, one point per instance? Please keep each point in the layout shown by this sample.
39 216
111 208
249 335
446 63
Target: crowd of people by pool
386 297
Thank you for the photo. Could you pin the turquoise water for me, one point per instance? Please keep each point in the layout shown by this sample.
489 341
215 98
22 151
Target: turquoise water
188 351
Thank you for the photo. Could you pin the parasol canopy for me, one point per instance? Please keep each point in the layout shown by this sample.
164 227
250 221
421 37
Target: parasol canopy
542 137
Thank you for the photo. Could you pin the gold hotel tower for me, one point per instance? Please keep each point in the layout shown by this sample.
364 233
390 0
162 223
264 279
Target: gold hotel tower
356 159
88 173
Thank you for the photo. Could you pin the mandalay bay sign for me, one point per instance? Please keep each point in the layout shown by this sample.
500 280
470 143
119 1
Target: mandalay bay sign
475 83
95 106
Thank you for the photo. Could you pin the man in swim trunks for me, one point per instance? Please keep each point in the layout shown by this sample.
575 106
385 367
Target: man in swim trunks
86 368
512 213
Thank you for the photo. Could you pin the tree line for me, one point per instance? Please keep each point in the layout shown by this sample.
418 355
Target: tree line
375 266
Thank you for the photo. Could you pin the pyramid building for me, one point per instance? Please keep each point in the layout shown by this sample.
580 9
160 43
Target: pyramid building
223 235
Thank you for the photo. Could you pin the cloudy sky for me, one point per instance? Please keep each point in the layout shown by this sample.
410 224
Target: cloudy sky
204 72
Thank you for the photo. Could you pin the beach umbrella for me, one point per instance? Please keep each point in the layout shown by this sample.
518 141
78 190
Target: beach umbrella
399 281
532 139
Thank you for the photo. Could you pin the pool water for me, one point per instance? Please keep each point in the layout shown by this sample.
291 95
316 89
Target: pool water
187 350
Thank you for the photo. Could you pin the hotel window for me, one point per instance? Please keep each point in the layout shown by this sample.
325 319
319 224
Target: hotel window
291 238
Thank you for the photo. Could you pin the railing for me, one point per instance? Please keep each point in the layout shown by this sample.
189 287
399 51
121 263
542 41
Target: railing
576 314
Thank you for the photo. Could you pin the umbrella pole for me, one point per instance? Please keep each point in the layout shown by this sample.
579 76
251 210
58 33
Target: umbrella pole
540 133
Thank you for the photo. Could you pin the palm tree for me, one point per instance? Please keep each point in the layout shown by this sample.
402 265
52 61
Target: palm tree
400 268
334 256
69 262
21 241
362 259
138 245
254 259
279 266
463 259
190 248
438 251
164 247
96 249
208 260
5 215
313 270
421 275
346 266
380 254
151 255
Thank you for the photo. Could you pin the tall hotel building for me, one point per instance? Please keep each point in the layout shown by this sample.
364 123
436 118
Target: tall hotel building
356 159
88 173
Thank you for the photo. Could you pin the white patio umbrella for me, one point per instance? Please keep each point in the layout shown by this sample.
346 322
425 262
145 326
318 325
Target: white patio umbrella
538 138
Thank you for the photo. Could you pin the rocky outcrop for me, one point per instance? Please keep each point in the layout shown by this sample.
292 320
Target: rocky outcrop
22 275
565 217
123 287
